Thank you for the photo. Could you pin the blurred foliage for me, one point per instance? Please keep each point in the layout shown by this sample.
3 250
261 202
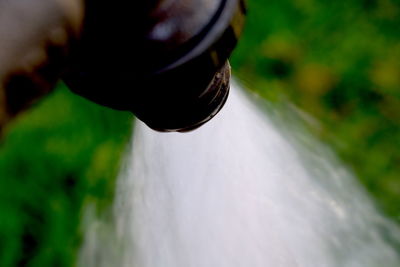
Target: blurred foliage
60 155
340 62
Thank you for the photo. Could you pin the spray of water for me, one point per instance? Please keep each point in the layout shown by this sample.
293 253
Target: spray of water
245 190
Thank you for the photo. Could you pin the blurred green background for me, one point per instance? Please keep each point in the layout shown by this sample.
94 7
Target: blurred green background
338 61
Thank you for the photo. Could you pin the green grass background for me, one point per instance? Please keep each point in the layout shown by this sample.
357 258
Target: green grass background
340 62
337 60
58 157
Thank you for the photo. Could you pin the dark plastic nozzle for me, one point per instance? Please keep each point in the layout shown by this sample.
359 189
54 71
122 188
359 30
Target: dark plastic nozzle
168 65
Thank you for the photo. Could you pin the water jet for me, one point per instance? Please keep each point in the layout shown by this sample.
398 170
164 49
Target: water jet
245 189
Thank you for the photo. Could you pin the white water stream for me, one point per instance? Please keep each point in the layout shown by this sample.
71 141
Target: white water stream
248 189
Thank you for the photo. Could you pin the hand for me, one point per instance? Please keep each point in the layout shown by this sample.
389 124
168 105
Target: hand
35 39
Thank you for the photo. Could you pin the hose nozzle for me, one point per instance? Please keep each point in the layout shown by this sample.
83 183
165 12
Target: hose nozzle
168 65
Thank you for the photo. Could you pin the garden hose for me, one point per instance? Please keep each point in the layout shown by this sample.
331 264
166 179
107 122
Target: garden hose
163 60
